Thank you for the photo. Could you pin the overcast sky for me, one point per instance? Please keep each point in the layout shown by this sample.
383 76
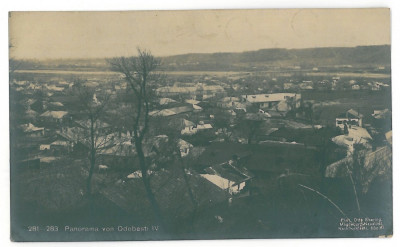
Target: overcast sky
43 35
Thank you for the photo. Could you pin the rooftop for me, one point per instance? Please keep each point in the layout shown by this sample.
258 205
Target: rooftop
261 98
171 193
350 114
54 114
171 111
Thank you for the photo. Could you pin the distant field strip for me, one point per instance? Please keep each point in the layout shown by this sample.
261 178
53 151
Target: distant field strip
349 74
214 73
77 72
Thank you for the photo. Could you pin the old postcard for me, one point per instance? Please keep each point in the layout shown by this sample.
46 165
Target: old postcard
206 124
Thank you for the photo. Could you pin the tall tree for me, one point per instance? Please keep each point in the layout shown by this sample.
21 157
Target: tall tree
94 135
308 110
140 72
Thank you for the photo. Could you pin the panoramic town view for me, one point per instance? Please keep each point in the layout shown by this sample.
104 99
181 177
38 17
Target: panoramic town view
266 143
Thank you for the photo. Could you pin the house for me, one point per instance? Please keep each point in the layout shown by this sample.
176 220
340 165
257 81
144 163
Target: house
228 176
63 83
350 117
184 147
61 146
166 101
91 84
381 114
98 125
198 91
306 85
31 114
193 129
171 111
34 86
78 134
44 147
376 86
356 135
31 130
54 116
289 85
187 126
20 83
120 155
170 189
55 106
54 88
276 101
228 102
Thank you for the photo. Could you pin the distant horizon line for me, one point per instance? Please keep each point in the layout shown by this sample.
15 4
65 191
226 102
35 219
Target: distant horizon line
195 53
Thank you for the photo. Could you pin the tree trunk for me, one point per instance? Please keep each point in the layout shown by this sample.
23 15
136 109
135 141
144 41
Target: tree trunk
191 195
147 185
92 159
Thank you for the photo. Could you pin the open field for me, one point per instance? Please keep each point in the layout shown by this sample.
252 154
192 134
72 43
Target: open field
216 73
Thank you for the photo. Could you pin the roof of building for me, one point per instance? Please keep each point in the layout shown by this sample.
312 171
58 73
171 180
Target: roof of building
217 153
166 101
31 113
123 149
192 101
230 99
176 89
262 98
26 128
27 102
196 107
170 111
190 89
98 124
381 114
57 104
219 181
203 126
356 135
350 114
59 143
187 123
388 136
257 116
55 88
54 114
230 172
170 191
183 143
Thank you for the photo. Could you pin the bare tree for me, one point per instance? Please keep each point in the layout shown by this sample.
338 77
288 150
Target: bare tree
140 72
94 136
172 153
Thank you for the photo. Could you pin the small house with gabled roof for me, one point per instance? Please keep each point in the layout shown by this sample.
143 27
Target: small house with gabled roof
350 117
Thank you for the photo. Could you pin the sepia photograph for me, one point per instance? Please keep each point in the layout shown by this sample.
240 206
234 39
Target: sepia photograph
200 124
